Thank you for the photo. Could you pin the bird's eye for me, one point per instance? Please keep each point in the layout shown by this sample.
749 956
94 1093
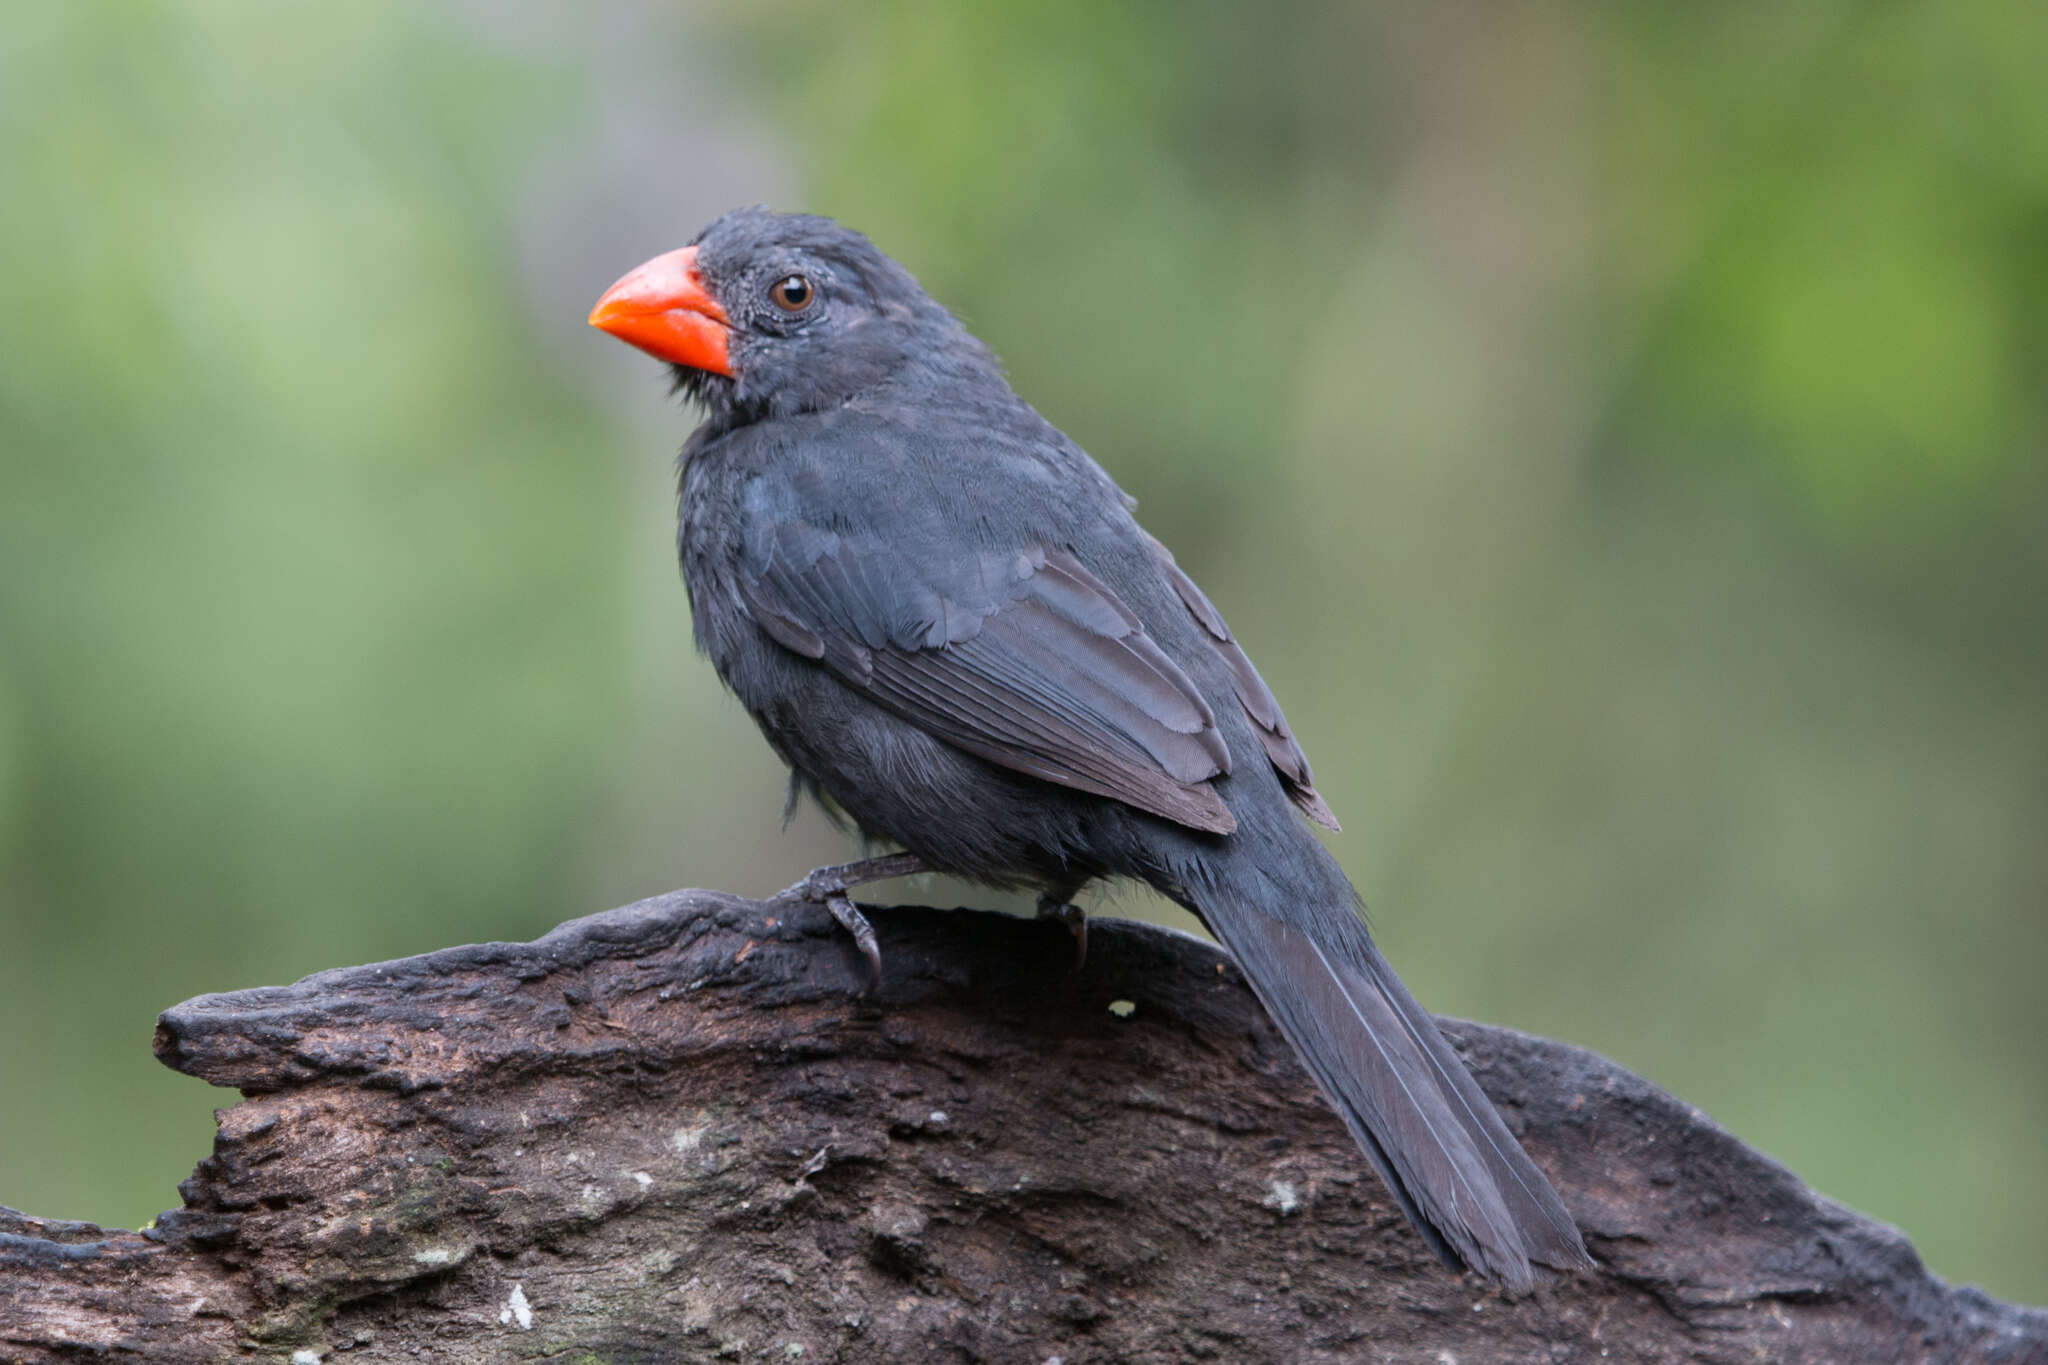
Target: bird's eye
792 293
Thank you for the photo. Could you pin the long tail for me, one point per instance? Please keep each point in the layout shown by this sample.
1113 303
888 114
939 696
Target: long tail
1435 1139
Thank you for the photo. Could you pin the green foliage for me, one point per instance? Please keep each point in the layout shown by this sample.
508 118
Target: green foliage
306 593
1862 218
1615 429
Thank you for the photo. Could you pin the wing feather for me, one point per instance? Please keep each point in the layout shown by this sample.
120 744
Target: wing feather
1282 750
1025 659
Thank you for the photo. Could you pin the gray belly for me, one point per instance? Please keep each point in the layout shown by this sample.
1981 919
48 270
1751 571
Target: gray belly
958 812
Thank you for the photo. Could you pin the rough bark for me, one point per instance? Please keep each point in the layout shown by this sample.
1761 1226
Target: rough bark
674 1132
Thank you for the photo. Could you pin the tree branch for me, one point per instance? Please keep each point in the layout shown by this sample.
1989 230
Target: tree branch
673 1132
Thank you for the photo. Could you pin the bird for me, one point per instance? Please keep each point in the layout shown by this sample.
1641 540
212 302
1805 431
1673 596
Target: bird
947 622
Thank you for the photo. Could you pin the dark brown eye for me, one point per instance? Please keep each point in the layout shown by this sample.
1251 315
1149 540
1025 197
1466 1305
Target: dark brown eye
792 293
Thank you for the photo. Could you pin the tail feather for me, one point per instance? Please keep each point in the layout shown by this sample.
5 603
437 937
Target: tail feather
1550 1233
1437 1142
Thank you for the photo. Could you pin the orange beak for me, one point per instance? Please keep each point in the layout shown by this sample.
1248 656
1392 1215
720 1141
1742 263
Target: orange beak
662 308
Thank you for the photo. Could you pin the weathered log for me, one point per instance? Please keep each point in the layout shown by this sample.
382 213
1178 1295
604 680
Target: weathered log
674 1132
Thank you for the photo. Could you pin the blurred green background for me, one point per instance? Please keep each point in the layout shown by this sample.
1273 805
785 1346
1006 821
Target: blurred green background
1616 429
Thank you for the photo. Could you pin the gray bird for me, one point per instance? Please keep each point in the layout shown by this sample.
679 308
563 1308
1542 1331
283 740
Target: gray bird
944 617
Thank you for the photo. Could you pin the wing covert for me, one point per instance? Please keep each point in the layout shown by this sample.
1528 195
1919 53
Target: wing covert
1021 657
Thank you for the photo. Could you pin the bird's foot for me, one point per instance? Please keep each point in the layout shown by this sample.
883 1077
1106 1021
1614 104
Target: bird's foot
1076 920
827 886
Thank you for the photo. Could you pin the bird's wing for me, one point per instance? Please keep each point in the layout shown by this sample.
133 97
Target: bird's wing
1022 657
1257 699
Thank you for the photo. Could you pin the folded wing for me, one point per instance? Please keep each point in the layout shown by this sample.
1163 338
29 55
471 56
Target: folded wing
1252 693
1022 657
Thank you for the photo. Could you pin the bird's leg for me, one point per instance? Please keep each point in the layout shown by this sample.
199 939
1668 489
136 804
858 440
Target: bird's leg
828 886
1059 904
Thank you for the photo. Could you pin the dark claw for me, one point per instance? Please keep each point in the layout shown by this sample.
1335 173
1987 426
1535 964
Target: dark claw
854 922
1076 920
828 886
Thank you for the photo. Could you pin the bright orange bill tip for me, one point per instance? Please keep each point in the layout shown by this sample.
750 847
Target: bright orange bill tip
662 307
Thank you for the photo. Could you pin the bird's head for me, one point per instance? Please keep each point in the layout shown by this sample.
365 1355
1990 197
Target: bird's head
765 314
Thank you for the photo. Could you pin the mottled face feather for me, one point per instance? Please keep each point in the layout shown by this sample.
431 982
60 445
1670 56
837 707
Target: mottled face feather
861 320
